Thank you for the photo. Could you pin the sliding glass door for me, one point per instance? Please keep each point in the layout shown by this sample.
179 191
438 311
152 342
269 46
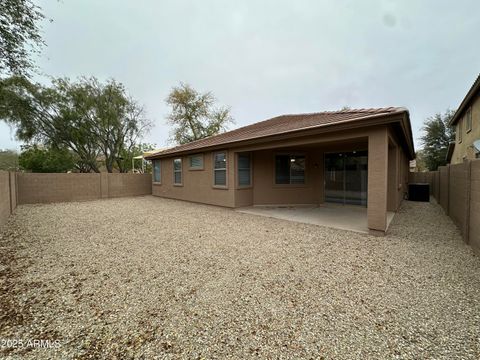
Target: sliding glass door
346 177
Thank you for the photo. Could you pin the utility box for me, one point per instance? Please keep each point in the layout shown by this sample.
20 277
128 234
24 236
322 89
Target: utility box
419 192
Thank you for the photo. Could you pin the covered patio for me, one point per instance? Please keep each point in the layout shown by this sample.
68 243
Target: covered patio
352 218
348 158
352 180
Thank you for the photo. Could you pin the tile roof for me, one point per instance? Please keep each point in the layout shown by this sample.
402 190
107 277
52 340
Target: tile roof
283 124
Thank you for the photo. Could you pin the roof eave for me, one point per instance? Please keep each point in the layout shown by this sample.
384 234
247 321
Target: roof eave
466 100
391 117
450 149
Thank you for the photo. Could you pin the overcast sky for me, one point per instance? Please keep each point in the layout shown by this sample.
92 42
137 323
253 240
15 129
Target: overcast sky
266 58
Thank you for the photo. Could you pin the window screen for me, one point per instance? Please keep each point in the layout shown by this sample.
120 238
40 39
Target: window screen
177 171
289 169
196 161
244 170
156 171
220 169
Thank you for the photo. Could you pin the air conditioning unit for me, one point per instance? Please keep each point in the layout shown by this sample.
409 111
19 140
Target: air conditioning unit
419 192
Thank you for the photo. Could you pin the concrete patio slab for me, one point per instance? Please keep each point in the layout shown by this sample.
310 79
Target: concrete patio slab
344 217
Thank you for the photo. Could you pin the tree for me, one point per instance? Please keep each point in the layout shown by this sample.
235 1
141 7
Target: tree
46 159
87 117
194 115
19 35
437 135
126 157
420 161
112 118
8 160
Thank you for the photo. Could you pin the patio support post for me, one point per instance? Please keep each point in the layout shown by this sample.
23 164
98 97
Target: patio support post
392 201
377 180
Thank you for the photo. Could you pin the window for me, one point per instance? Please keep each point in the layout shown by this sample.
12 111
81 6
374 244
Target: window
177 171
244 170
220 169
469 120
196 162
460 130
156 171
289 169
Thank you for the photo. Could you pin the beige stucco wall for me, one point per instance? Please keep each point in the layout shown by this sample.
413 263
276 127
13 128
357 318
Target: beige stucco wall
404 171
197 184
398 171
464 149
266 192
393 170
377 179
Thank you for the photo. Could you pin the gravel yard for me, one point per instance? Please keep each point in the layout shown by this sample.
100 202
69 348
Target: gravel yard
156 278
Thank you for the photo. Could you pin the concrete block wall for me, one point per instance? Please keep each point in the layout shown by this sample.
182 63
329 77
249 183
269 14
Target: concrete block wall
128 184
8 195
474 223
47 188
444 187
457 195
457 189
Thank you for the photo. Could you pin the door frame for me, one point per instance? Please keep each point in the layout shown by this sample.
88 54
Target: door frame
344 179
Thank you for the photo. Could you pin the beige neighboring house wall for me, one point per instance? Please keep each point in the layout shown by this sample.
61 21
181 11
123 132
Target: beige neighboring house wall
387 138
464 137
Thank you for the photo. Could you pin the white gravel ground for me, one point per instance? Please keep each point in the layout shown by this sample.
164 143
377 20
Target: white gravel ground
153 278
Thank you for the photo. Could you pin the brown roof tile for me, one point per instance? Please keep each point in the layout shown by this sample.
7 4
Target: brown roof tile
280 125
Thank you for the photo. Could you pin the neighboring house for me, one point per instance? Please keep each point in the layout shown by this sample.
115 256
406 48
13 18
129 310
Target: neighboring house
467 127
351 157
413 165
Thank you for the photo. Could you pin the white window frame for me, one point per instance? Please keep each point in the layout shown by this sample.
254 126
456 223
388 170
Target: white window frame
194 168
220 169
239 186
159 162
177 171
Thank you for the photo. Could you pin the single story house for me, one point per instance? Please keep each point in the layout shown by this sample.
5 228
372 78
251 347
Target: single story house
350 157
466 121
